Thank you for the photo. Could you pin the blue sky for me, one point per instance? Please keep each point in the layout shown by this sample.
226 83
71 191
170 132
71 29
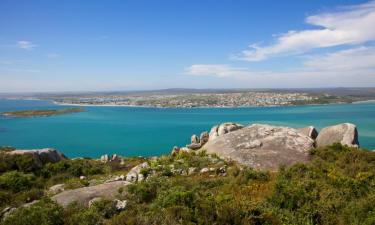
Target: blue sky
128 45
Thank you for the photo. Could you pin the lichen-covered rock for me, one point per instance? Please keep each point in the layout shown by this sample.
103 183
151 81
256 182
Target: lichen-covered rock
84 195
345 133
41 156
263 146
222 129
309 131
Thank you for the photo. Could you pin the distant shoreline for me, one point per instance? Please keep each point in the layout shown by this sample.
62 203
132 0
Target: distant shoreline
198 107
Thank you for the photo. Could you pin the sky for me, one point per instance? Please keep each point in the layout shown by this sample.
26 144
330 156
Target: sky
93 45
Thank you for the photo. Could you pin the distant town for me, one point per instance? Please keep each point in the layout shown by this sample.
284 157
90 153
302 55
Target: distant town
192 100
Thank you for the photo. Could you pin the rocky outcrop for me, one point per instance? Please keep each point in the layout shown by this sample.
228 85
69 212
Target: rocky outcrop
223 128
261 146
309 131
135 173
345 133
84 195
107 158
41 156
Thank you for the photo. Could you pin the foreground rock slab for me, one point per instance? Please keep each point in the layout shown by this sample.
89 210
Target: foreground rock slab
345 133
263 146
84 195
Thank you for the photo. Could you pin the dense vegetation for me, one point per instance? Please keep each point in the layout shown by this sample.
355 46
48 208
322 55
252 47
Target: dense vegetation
336 187
46 112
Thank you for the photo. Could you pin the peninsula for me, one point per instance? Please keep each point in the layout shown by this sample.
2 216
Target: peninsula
41 113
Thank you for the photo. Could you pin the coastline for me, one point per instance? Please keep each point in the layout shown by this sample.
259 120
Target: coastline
198 107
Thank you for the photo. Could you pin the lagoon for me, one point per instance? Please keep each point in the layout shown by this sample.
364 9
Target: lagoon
139 131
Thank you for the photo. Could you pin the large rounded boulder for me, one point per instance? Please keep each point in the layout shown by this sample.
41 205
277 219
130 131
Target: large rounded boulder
345 134
263 146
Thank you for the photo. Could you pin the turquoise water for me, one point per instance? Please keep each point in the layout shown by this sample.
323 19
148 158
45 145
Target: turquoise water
133 131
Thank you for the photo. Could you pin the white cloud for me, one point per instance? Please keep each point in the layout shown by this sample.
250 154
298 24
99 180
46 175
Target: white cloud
308 76
354 61
348 26
26 45
349 60
218 70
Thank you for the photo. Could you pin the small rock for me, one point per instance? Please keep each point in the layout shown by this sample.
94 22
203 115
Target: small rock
192 170
204 138
205 170
194 139
194 146
121 205
56 189
222 170
104 158
114 157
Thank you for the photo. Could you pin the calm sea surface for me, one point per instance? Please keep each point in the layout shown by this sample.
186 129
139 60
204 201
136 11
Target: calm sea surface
133 131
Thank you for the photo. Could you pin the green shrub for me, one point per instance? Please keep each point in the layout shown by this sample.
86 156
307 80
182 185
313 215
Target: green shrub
16 181
44 212
77 215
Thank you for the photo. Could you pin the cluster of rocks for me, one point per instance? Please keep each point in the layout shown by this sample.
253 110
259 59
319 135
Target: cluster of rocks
197 142
107 158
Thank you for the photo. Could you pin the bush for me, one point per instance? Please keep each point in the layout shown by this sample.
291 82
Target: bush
77 215
24 163
16 181
44 212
